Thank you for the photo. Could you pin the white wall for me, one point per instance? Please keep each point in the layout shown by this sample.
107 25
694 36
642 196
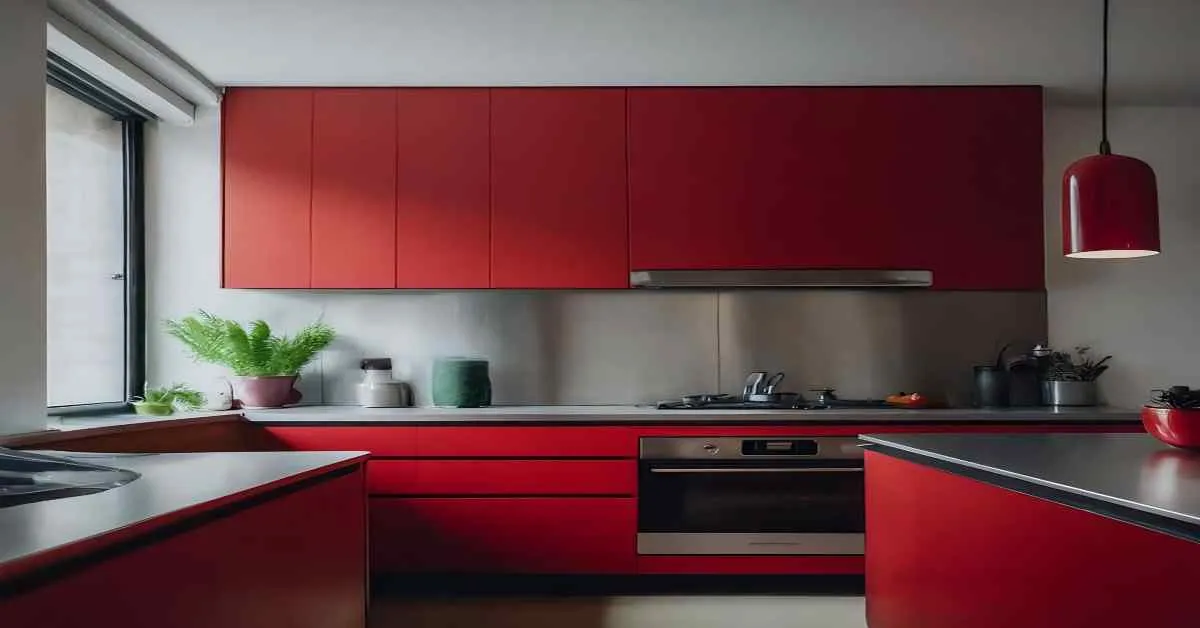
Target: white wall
1156 46
22 216
1145 312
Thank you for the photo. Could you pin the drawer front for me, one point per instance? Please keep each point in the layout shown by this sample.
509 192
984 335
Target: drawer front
528 442
380 441
502 477
551 535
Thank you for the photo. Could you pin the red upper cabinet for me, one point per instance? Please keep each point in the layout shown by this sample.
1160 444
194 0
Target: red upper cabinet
945 179
267 155
978 220
443 224
734 178
354 188
559 206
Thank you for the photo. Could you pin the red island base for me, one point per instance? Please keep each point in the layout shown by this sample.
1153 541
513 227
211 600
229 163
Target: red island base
947 551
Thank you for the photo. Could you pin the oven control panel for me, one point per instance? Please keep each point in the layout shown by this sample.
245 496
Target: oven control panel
733 448
779 447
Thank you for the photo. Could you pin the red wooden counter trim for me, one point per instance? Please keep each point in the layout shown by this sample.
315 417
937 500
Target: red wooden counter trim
945 551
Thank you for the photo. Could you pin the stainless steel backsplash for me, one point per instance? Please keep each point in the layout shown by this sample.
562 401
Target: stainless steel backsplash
621 347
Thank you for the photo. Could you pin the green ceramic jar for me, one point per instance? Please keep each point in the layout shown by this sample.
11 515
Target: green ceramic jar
461 383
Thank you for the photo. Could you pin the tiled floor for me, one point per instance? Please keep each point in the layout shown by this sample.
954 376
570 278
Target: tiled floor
650 611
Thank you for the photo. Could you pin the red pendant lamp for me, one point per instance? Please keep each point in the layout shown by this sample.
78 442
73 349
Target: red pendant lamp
1109 202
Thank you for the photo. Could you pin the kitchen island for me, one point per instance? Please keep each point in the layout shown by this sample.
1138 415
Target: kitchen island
1030 530
206 539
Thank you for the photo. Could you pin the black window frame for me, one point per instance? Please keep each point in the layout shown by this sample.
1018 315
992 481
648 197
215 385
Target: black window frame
65 77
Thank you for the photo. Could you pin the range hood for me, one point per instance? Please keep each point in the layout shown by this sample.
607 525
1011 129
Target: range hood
814 278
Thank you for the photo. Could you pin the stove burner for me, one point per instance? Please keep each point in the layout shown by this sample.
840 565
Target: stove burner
730 402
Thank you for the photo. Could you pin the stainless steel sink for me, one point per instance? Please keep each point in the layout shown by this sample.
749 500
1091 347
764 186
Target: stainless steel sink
28 477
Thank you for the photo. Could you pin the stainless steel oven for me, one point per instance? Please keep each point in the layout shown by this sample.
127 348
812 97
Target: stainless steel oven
750 496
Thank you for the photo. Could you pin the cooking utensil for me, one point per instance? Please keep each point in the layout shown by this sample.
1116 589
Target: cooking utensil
773 383
786 400
705 399
378 389
991 386
754 384
825 396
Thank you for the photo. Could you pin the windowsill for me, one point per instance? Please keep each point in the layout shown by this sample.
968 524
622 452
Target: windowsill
70 423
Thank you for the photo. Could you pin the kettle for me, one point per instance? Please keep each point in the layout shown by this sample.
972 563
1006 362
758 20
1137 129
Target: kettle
377 388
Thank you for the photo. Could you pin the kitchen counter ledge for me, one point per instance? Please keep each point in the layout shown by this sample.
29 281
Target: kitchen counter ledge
1130 477
353 415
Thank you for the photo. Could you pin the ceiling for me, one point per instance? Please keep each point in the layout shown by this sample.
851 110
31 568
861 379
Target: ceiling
1156 43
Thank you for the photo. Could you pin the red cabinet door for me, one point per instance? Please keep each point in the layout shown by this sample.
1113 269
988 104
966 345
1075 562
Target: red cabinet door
392 440
945 179
294 561
945 551
559 216
354 188
977 222
267 179
443 205
502 477
552 535
527 442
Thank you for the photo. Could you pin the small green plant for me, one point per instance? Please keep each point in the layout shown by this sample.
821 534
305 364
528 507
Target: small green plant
1177 397
1078 368
249 353
177 396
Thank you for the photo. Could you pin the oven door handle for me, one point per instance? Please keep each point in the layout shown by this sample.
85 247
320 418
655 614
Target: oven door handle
758 470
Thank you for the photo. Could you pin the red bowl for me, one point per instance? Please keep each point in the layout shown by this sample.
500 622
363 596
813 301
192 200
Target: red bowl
1172 426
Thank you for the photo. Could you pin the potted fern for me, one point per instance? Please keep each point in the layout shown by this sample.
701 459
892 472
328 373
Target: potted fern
165 400
265 366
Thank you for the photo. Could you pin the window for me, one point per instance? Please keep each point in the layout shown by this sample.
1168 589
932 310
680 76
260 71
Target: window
94 307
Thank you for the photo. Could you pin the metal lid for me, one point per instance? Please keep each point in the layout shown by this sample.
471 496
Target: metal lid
376 364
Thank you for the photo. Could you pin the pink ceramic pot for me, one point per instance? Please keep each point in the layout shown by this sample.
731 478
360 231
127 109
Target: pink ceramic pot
266 392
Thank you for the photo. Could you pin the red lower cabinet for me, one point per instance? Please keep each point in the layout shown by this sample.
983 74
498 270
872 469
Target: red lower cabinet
502 477
294 561
945 551
549 535
379 441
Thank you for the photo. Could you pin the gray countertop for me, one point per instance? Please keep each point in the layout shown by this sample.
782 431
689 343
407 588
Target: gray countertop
170 486
1130 471
648 414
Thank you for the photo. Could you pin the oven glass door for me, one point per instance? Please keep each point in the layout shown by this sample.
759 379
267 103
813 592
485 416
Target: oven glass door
751 497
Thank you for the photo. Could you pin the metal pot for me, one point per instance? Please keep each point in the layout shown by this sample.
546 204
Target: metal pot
1077 394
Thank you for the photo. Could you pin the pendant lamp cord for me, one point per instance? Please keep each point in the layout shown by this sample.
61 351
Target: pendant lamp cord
1105 149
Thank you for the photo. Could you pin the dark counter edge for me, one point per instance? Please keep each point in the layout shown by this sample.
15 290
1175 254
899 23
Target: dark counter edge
1125 514
203 514
729 423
